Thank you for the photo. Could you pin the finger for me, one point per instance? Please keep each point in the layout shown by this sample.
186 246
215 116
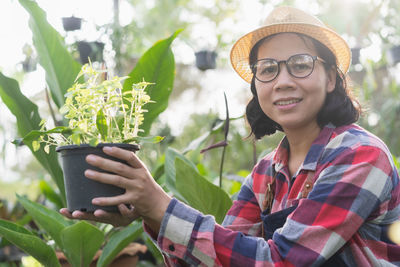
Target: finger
114 218
111 166
111 201
98 216
104 215
130 213
83 215
107 178
65 212
124 154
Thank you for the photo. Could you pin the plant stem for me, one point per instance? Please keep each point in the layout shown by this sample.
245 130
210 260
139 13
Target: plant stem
226 131
221 167
56 123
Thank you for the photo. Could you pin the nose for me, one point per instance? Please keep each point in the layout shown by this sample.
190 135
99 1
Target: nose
284 80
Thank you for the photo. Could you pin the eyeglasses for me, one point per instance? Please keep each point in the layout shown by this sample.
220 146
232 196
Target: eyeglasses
299 66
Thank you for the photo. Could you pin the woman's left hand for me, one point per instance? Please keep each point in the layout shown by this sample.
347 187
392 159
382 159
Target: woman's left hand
124 217
142 192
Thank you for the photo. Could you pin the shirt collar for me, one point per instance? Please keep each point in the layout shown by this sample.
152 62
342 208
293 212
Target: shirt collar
310 162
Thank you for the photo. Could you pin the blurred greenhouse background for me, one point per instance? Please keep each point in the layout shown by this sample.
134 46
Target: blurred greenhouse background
117 32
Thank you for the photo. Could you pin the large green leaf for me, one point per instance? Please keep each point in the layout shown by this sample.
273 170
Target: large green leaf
48 191
49 220
28 119
199 192
81 241
157 65
61 69
118 241
29 243
170 171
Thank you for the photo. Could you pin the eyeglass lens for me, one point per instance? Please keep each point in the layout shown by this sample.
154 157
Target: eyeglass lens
299 66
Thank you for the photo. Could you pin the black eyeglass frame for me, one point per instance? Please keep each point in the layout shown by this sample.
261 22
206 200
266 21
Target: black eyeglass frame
314 58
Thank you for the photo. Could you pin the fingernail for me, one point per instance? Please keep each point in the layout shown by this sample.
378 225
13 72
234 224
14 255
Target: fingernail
91 159
107 149
89 173
95 201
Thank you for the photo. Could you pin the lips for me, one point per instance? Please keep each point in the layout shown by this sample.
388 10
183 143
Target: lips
284 102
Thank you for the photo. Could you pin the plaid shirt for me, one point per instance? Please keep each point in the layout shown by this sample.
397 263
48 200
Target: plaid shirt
353 195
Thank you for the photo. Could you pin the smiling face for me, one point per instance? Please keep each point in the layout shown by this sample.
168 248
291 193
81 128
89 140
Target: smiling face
293 102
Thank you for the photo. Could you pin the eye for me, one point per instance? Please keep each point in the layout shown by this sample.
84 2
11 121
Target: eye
301 64
267 68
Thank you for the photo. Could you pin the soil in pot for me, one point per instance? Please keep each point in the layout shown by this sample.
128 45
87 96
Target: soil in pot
79 189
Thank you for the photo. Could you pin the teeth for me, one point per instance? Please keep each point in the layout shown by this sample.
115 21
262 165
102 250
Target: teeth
287 102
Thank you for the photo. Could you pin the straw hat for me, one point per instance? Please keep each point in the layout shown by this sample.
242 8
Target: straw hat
289 19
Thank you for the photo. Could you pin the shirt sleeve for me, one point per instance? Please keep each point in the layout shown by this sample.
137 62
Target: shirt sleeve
349 187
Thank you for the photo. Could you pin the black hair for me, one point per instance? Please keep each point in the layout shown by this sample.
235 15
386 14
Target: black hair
339 108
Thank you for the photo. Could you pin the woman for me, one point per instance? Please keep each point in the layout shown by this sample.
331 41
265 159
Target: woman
324 196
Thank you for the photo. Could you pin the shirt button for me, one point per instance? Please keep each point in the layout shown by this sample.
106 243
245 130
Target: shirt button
171 247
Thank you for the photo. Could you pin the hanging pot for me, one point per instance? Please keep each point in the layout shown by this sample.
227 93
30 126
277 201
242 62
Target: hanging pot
394 55
92 50
71 23
80 190
355 55
206 59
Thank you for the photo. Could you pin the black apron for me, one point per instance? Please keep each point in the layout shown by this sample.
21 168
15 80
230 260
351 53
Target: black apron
273 221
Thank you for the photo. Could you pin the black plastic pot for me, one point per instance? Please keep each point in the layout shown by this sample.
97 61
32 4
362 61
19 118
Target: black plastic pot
80 190
71 23
92 50
206 60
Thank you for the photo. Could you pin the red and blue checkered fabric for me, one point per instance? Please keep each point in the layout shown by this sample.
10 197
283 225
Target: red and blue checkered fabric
355 197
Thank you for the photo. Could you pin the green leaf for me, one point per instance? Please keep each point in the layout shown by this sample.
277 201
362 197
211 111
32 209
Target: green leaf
154 249
81 241
157 65
118 241
101 124
200 193
170 171
145 139
29 243
50 194
61 69
36 146
49 220
196 143
28 119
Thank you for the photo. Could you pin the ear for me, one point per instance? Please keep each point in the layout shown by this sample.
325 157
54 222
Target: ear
331 81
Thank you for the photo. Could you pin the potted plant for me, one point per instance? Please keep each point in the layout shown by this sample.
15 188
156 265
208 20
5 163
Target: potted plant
99 114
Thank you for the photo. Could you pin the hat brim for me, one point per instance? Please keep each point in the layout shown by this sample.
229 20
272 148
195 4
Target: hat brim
241 49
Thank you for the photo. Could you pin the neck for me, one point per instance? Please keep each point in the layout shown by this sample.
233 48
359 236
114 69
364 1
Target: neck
300 141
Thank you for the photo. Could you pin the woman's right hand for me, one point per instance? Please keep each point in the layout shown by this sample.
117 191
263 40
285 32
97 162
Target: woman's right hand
124 217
